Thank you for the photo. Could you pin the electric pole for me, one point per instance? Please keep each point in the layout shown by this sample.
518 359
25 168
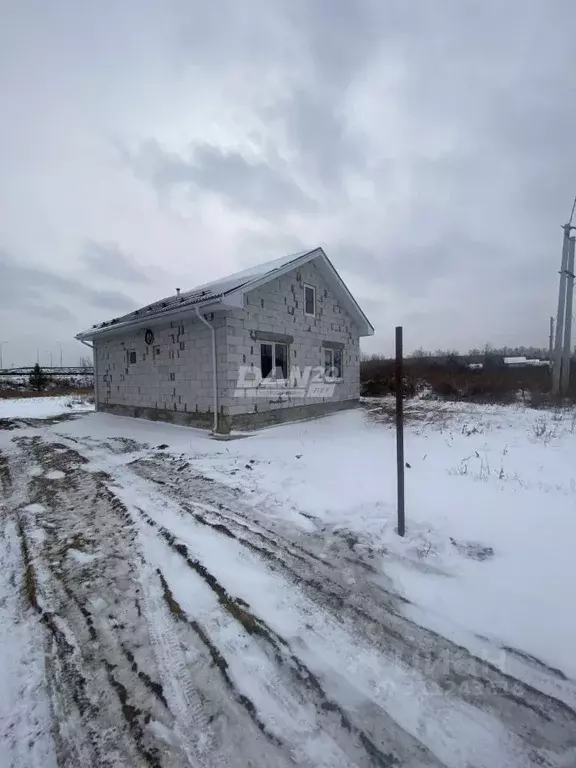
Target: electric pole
565 381
551 341
560 314
561 365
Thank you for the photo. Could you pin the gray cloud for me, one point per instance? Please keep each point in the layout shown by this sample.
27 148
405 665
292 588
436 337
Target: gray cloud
107 260
250 183
36 286
318 132
58 313
427 145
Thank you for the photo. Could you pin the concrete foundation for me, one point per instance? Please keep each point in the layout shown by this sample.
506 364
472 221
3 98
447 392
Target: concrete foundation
182 418
239 421
284 415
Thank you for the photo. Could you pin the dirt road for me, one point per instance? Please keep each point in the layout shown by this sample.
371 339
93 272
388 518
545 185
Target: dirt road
154 617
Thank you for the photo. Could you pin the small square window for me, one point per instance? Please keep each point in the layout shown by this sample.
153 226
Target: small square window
309 300
132 358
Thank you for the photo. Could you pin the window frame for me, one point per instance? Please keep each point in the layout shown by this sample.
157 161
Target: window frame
132 353
273 345
312 288
330 352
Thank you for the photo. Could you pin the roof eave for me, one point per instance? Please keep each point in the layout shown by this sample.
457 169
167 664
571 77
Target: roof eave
145 321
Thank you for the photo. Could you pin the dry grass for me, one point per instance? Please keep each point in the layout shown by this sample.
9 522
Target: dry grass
19 393
498 384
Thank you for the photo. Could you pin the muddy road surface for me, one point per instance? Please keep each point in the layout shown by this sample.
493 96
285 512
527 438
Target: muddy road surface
154 617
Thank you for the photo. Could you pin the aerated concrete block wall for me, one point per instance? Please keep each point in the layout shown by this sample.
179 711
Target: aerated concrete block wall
169 379
278 307
172 378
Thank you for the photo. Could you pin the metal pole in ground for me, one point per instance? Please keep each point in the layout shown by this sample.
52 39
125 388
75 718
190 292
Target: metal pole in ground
560 314
400 431
566 354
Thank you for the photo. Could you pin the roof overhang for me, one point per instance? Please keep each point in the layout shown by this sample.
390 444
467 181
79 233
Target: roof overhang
135 324
231 298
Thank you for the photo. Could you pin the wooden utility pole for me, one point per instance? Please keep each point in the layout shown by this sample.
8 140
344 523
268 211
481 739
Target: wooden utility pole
400 431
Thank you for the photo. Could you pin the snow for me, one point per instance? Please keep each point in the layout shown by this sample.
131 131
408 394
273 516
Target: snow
42 407
233 527
485 476
82 558
25 724
55 474
494 476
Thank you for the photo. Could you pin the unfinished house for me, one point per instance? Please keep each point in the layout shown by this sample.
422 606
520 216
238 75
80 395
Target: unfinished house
273 343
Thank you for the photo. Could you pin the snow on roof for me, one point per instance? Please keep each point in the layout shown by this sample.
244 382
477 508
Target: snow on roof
201 294
214 292
238 279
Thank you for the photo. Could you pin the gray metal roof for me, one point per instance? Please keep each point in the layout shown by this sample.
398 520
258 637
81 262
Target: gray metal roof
213 292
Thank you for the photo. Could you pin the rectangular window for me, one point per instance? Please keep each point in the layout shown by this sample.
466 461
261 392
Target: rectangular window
281 361
333 363
265 360
156 351
309 300
274 360
337 365
132 357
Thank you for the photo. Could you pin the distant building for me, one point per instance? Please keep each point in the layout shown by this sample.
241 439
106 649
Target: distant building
520 362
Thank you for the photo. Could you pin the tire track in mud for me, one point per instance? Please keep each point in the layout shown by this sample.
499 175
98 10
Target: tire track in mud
281 651
106 687
218 659
5 476
90 659
62 654
541 721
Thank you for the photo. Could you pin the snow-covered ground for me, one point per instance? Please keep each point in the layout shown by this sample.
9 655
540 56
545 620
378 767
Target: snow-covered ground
43 407
207 602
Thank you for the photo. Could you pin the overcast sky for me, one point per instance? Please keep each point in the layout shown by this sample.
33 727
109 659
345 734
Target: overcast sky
428 145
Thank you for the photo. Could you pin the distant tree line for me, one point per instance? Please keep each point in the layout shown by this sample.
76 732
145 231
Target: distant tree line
486 351
483 354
